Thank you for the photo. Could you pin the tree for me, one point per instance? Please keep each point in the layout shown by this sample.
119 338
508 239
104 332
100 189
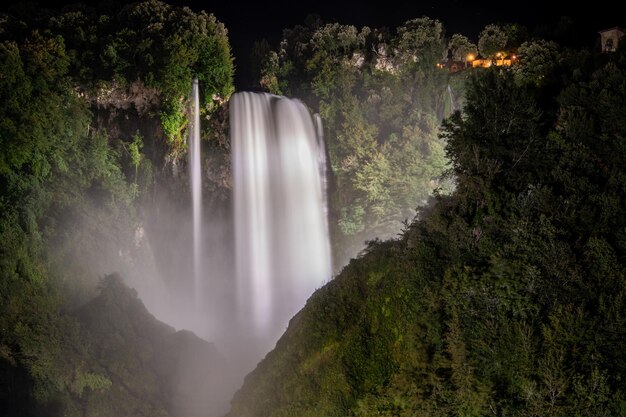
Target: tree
516 34
421 41
381 98
537 59
507 297
64 195
491 41
460 47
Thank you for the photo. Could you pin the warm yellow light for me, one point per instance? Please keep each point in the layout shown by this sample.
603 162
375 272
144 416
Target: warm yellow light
470 57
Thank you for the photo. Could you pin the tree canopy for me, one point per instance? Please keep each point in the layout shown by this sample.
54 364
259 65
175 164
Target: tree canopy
71 175
491 40
381 98
505 297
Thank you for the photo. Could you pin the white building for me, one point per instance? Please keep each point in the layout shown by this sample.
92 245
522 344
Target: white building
610 39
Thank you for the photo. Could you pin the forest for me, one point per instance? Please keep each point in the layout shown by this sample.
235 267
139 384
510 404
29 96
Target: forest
505 297
476 216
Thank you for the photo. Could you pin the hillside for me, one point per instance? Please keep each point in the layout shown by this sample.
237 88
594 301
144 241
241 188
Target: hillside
93 104
505 298
137 365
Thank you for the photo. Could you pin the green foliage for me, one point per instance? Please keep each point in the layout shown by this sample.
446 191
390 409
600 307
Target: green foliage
265 66
162 46
421 40
537 60
174 121
491 40
461 47
504 298
381 98
93 381
68 188
351 219
516 35
134 150
194 45
41 127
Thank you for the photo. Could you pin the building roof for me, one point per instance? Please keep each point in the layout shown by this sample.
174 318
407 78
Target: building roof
613 28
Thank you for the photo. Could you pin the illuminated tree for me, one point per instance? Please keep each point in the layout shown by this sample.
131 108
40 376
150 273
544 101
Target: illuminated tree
461 47
491 40
421 40
536 60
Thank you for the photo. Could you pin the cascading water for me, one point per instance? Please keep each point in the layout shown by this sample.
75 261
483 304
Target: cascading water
452 105
195 173
281 234
277 235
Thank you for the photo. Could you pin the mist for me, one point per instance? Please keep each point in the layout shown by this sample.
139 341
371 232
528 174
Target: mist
255 273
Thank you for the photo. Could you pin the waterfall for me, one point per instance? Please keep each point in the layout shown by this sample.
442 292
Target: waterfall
195 174
452 106
282 248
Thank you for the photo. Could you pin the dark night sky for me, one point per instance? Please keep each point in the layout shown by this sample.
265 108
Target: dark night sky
248 21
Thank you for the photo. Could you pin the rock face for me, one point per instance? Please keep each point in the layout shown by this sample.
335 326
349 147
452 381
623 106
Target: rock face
136 95
152 369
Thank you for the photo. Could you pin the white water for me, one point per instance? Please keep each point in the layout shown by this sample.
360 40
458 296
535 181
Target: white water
195 174
452 106
250 270
282 249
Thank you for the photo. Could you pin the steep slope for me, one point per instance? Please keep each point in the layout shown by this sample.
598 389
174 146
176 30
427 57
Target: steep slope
137 365
93 103
506 298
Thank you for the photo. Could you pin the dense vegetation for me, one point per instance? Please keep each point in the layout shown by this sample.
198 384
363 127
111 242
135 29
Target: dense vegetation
70 178
506 297
381 97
